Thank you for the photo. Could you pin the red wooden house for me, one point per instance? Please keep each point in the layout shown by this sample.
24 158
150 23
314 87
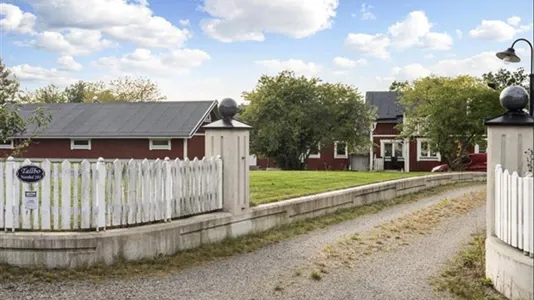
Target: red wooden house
118 130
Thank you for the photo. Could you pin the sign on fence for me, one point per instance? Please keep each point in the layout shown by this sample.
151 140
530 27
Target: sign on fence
30 174
30 200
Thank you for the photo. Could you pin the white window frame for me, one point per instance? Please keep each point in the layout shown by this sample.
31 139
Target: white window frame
420 141
80 147
393 143
160 147
346 155
318 155
9 145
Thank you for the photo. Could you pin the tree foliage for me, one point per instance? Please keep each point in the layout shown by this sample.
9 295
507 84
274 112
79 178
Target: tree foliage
450 112
294 116
122 89
398 86
503 78
12 124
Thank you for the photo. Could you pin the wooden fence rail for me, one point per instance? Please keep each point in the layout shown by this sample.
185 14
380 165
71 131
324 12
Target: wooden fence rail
97 195
514 210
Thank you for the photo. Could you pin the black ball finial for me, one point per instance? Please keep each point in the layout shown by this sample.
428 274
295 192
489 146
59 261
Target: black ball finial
227 108
514 98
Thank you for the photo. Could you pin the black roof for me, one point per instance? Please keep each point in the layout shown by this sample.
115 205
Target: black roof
121 119
386 103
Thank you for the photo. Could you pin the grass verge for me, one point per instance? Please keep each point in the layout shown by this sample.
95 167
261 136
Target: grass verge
272 186
163 265
398 232
465 275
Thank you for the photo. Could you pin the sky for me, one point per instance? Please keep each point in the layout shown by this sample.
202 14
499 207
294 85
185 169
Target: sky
213 49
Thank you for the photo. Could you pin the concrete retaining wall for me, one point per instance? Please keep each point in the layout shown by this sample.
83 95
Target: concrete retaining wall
511 272
76 249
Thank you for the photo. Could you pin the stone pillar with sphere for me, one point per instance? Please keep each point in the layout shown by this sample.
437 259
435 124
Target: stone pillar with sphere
229 139
509 137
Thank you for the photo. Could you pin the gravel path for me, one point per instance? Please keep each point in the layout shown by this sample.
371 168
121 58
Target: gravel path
400 274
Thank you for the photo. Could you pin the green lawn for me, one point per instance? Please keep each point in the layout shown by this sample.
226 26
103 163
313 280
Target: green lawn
271 186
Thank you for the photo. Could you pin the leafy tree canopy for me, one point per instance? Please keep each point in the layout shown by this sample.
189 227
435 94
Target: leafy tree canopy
122 89
503 78
294 116
12 124
450 112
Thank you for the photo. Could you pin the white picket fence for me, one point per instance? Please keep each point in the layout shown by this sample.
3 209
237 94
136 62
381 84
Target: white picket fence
514 209
97 195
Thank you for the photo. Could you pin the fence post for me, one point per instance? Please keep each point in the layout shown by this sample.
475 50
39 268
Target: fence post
100 193
230 139
9 208
168 189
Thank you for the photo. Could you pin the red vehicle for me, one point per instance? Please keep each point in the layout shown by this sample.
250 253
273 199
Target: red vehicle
475 162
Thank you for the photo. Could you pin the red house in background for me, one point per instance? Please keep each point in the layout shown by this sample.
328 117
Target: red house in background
390 152
118 130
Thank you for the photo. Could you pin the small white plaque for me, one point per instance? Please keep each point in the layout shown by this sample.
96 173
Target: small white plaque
30 199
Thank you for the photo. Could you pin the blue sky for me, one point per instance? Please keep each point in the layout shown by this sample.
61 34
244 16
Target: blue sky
211 49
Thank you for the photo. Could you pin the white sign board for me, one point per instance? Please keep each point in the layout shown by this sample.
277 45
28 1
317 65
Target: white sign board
30 199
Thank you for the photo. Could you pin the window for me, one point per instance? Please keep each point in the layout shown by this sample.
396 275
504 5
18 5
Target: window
80 144
481 148
160 144
391 148
316 154
7 144
425 152
340 150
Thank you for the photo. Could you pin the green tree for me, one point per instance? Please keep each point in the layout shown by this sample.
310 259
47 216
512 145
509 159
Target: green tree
75 93
12 124
399 86
49 94
450 112
135 90
294 116
503 78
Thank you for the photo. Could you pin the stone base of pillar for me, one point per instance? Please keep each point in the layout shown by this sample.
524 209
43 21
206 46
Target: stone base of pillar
509 269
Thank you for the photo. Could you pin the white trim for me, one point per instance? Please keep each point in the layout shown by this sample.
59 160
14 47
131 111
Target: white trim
185 148
393 143
201 121
151 146
80 147
318 155
345 156
197 134
8 146
385 135
407 155
477 147
427 158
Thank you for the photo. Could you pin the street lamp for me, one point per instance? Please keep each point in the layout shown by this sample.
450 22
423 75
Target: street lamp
509 56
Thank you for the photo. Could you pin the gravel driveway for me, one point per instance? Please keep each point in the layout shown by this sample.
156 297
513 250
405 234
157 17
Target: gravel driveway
398 274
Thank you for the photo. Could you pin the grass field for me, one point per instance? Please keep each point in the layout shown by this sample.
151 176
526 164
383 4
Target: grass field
272 186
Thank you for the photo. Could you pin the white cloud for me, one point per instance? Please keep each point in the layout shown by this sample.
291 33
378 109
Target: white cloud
27 73
184 22
429 56
372 45
514 21
245 20
69 64
366 13
493 30
300 67
15 20
459 34
130 21
346 63
475 65
177 62
525 28
413 31
437 41
408 32
73 42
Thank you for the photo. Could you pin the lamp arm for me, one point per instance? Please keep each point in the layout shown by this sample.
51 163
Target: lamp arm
531 52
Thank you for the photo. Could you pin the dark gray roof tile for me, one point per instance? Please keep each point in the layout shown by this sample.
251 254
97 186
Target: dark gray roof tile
127 120
386 103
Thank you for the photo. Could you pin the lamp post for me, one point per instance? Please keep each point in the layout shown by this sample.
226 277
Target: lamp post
509 56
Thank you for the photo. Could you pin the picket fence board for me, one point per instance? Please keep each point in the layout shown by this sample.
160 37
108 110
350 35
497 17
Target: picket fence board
514 209
98 195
